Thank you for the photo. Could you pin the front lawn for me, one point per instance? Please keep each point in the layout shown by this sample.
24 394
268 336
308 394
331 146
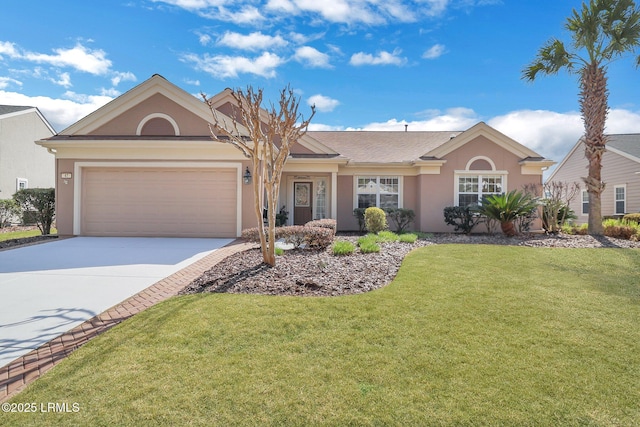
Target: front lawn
465 335
22 234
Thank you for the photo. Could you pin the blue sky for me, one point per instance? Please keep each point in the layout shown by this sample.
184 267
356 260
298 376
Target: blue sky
366 64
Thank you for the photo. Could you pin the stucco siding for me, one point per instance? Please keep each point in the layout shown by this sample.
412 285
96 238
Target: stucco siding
189 124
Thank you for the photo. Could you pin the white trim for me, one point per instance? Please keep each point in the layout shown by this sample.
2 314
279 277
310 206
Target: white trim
615 200
457 174
19 181
378 176
167 117
582 193
79 166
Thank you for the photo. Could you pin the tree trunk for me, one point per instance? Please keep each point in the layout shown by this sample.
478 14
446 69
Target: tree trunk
594 108
508 228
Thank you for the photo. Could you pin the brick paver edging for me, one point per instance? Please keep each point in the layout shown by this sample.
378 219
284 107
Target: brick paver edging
15 376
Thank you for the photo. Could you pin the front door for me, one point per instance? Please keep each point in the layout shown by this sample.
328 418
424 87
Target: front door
302 202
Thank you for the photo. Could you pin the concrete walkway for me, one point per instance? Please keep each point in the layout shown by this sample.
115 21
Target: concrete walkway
42 317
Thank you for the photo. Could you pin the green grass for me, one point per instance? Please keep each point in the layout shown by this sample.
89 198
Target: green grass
23 234
465 335
343 247
408 238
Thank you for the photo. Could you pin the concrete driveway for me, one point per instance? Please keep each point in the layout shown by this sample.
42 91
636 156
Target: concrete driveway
49 288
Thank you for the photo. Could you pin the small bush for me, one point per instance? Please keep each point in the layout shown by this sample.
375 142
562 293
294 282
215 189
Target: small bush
279 251
634 217
408 238
375 220
620 229
329 223
580 230
297 235
41 201
343 247
369 246
369 238
9 210
359 214
463 218
387 236
282 217
402 218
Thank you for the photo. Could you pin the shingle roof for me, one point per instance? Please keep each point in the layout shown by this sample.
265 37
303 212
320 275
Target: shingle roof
628 143
8 109
381 146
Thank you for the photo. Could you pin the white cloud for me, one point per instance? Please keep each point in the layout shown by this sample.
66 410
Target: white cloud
6 81
64 80
435 51
223 66
78 57
253 41
8 49
454 119
123 77
381 58
324 104
60 113
312 57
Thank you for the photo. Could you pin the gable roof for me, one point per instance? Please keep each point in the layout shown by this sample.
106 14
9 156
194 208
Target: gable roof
7 111
382 146
626 145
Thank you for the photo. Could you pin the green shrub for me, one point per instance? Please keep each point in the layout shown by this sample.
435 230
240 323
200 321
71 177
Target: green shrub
40 201
369 246
359 214
581 230
463 218
387 236
635 217
369 238
9 209
402 218
620 229
375 220
282 217
507 208
297 235
408 238
279 251
343 247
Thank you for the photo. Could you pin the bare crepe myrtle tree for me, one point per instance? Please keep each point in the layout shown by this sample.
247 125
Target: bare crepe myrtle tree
264 136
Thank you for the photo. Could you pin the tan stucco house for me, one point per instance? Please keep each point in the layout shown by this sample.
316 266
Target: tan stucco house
620 173
145 165
23 164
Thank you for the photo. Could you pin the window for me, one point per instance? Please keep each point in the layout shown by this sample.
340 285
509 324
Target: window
21 184
585 202
472 188
379 191
620 201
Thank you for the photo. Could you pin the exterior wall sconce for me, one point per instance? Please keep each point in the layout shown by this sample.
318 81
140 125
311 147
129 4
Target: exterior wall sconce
246 178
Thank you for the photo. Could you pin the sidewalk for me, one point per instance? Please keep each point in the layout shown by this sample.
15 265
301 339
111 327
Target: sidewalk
15 376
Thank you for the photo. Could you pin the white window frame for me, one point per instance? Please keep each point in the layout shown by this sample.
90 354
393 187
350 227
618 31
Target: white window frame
20 181
479 174
616 200
377 177
583 202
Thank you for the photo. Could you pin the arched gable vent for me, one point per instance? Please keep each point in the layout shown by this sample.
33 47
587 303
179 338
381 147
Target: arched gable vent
158 124
480 163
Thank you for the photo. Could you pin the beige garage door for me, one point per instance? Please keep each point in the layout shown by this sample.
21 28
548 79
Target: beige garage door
159 202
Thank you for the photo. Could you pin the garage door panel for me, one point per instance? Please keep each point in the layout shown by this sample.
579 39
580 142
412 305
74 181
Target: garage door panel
159 202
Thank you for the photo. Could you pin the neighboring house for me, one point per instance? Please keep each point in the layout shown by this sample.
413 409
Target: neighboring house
620 173
23 164
145 165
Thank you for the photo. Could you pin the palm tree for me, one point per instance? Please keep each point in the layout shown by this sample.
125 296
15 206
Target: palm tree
604 30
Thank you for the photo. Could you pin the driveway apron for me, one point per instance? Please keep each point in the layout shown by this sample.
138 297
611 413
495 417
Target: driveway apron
50 288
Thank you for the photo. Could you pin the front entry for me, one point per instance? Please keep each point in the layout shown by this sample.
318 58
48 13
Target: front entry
302 202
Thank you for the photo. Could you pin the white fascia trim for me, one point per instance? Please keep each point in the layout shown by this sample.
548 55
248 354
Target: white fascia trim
167 117
77 190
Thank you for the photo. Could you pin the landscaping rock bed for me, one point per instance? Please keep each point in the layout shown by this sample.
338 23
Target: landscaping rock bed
320 273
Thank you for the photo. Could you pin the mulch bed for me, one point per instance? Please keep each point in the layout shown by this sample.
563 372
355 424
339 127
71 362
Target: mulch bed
320 273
